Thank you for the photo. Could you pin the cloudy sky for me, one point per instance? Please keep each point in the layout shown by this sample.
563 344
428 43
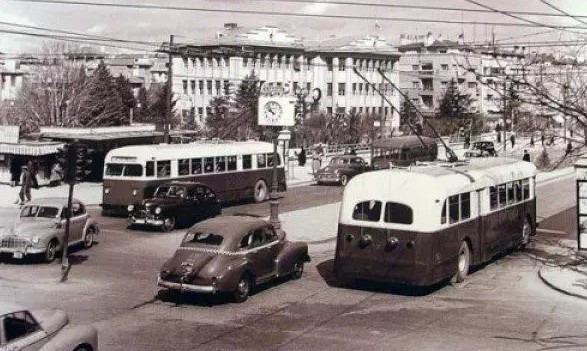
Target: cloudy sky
155 25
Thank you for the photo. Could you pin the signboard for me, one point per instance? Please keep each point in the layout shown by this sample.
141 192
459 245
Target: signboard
276 111
9 134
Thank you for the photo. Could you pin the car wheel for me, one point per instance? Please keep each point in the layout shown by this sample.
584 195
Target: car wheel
243 289
526 232
51 251
298 270
260 193
168 224
344 180
83 348
463 263
89 238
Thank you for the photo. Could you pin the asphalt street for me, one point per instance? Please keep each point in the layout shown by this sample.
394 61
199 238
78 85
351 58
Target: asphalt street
501 306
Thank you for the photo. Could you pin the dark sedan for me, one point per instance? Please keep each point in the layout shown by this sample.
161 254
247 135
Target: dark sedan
481 149
341 169
232 254
175 204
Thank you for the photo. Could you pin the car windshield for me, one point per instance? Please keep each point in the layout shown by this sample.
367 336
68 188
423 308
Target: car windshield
339 161
170 191
39 211
202 238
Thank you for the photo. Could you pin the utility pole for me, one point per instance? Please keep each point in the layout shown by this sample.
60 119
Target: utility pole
169 93
565 91
505 114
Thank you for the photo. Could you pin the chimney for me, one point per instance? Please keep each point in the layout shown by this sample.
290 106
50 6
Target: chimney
461 39
429 39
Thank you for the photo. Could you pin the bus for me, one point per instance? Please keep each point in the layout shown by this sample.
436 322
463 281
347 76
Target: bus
234 170
426 224
402 151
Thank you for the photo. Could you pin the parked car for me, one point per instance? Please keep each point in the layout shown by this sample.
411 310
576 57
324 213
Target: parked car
232 254
175 204
40 229
481 149
341 169
43 330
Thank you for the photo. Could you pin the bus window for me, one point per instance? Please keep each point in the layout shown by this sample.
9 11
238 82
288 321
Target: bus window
465 205
492 197
367 211
518 186
443 215
163 169
510 192
114 169
220 164
183 166
453 209
133 170
209 165
196 165
502 195
231 163
150 169
247 161
398 213
526 187
261 161
270 160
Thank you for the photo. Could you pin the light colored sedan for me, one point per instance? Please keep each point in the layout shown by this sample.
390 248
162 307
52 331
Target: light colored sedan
40 229
43 330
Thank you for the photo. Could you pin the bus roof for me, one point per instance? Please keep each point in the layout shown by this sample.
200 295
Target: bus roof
192 150
407 141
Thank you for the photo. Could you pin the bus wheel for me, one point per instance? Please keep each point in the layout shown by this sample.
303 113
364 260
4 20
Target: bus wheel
343 180
526 232
260 191
463 262
168 224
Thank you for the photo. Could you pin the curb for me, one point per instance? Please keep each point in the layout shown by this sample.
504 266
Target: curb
561 290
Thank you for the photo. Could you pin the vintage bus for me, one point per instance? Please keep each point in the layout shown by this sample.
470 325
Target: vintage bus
402 151
234 170
426 224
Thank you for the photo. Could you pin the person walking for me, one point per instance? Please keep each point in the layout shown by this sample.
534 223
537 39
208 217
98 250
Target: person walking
513 140
532 141
26 184
15 171
526 156
467 142
569 148
302 157
542 138
56 175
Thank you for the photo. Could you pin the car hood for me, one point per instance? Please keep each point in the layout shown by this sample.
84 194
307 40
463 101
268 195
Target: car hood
161 202
29 227
186 261
328 169
51 320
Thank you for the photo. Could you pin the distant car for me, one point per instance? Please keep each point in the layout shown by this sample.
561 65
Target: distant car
341 169
175 204
40 229
232 254
43 330
481 149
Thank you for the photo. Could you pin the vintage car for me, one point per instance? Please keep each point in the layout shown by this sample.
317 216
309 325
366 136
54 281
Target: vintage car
341 169
40 229
43 330
232 254
481 149
175 204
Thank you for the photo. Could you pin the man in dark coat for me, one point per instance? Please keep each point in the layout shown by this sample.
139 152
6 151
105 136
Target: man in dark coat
27 184
526 156
302 157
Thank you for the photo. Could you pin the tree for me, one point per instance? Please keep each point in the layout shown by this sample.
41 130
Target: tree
125 90
246 104
454 104
409 116
218 118
157 106
141 111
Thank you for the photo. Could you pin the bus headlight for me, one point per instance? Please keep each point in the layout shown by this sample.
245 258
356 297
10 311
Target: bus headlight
106 190
130 208
134 192
158 210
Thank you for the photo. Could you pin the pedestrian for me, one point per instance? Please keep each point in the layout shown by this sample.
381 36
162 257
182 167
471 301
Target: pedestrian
542 138
498 137
569 148
33 169
316 162
302 157
513 140
15 171
353 152
25 187
552 140
526 156
532 141
467 142
56 175
571 133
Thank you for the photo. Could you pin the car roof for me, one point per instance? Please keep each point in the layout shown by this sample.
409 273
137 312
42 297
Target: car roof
52 201
185 184
346 157
6 307
231 227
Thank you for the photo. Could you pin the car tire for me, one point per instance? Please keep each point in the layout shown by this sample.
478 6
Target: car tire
51 251
243 289
83 348
168 224
260 191
463 262
89 237
344 179
298 269
526 233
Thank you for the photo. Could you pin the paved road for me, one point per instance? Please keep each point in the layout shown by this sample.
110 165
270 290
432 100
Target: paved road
502 306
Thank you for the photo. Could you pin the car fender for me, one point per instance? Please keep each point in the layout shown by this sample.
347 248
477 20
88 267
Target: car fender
291 253
230 278
91 222
70 338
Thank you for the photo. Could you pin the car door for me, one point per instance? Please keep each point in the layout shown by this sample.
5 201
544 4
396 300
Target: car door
272 247
79 216
260 256
21 332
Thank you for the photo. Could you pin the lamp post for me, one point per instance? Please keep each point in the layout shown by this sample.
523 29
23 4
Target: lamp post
581 190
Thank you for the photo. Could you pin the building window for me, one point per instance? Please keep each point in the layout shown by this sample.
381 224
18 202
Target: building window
185 62
354 89
245 61
201 113
262 62
360 88
472 85
415 67
201 87
295 87
341 89
329 89
340 111
329 111
209 87
329 64
386 111
308 62
193 86
208 111
415 85
308 86
218 85
341 64
444 67
287 62
366 89
279 60
185 86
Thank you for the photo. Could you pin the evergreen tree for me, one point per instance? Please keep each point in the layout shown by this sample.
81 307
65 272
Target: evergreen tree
141 112
219 118
157 106
246 104
125 90
454 104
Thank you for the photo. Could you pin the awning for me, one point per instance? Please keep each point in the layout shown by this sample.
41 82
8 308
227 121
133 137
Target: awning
30 148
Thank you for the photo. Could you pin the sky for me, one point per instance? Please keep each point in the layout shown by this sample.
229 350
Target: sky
155 26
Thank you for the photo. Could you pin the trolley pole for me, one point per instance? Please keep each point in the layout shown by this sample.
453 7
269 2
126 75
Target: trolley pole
167 119
273 197
505 114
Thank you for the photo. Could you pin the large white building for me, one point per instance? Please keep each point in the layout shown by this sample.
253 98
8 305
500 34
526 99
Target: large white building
210 68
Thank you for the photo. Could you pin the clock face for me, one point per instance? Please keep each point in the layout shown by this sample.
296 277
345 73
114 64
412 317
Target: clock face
272 111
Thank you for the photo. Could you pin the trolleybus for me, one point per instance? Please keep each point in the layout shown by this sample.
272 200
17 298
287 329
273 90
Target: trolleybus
424 225
234 170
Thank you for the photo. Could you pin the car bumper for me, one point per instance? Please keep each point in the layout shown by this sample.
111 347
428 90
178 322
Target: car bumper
145 221
20 252
328 178
208 289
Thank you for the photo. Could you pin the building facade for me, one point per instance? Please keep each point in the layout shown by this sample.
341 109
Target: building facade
216 67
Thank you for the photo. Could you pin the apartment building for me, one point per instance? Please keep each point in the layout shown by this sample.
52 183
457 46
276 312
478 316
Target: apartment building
210 68
11 76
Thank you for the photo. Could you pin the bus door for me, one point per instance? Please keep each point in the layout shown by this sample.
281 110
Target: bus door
495 226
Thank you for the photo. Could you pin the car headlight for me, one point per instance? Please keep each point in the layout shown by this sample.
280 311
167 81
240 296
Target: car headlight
336 171
130 208
106 190
134 192
158 210
35 240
